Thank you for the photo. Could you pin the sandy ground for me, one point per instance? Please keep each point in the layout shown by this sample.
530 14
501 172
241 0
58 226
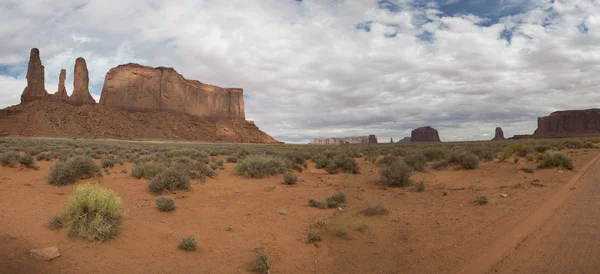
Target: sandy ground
424 232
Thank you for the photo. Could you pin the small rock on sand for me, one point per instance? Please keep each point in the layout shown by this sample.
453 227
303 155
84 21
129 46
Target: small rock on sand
45 254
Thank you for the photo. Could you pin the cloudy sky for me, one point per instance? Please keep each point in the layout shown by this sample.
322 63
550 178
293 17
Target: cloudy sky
322 68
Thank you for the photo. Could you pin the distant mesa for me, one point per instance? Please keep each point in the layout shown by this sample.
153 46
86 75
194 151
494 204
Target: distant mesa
371 139
391 140
425 134
499 134
569 123
137 102
404 140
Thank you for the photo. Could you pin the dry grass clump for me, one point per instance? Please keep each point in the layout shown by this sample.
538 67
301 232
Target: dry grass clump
171 179
93 213
396 174
290 179
335 200
165 204
261 262
188 244
555 159
481 200
64 173
374 210
260 166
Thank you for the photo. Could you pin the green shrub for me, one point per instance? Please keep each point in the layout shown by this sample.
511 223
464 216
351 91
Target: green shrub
260 166
205 170
416 160
80 167
232 159
465 159
321 161
93 213
165 204
214 166
374 210
171 179
434 153
290 179
396 174
331 167
27 161
484 153
388 159
555 159
347 164
481 200
520 149
107 162
261 262
9 159
147 170
188 244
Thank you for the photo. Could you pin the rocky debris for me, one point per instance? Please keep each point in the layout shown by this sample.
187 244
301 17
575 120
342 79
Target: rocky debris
405 140
371 139
35 78
569 123
503 195
61 94
81 93
425 134
142 88
45 254
499 134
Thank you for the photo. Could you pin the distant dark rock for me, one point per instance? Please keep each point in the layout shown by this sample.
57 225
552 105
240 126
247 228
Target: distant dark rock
569 123
499 134
425 134
405 140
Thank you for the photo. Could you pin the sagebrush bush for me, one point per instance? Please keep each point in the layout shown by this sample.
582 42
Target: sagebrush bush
68 172
43 157
188 244
374 210
555 159
93 213
396 174
388 159
347 164
107 162
27 161
434 153
416 160
232 159
290 179
260 166
147 170
336 200
465 159
165 204
171 179
9 159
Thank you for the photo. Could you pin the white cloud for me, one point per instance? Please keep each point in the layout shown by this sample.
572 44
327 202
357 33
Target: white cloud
309 72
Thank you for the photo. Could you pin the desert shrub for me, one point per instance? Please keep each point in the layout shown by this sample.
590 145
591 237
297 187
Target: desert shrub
396 174
107 162
441 164
43 157
362 227
388 159
484 153
420 187
434 153
339 230
170 179
290 179
54 223
465 159
374 210
80 167
10 158
312 236
371 156
321 161
520 149
527 170
27 161
232 159
481 200
165 204
147 170
573 143
416 161
347 164
335 200
188 244
317 203
214 166
555 159
93 213
516 160
541 148
260 166
261 262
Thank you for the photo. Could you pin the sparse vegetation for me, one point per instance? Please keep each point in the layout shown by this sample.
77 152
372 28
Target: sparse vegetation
290 179
416 161
260 166
555 159
528 170
9 159
374 210
27 161
339 230
54 223
64 173
261 262
481 200
396 174
335 200
420 187
107 162
188 244
93 213
362 227
147 170
171 179
165 204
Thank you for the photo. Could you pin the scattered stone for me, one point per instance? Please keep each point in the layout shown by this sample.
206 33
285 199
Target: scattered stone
45 254
503 195
282 212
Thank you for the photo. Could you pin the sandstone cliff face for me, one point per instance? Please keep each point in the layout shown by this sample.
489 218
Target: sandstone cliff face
405 140
61 94
569 123
141 88
81 93
425 134
345 140
499 134
35 78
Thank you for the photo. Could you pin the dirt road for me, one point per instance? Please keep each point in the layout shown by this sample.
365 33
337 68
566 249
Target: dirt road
563 236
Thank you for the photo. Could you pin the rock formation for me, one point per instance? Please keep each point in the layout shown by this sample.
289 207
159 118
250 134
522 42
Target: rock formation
405 140
425 134
371 139
499 134
35 78
141 88
569 123
81 93
61 94
391 140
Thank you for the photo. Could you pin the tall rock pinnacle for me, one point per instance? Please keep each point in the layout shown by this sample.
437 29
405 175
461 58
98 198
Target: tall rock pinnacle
81 93
61 94
35 78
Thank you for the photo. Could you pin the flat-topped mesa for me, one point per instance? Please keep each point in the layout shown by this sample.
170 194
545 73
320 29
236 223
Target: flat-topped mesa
35 78
81 93
61 94
141 88
569 123
371 139
425 134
